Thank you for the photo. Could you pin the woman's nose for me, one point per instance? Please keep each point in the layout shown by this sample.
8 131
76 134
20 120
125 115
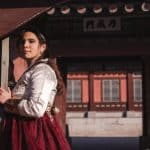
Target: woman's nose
26 44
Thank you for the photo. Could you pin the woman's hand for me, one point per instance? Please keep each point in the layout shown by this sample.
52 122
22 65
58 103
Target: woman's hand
4 95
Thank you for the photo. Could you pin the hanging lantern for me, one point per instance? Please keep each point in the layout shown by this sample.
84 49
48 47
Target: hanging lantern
145 7
113 8
129 8
51 11
97 9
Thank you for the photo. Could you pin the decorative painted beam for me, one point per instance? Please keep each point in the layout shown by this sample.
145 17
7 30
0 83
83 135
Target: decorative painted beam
98 8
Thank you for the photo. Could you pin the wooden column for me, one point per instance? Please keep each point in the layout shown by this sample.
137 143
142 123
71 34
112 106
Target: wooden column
129 91
144 140
91 102
4 66
4 63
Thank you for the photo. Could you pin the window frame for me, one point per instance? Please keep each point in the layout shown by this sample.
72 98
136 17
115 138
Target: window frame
134 97
73 100
119 88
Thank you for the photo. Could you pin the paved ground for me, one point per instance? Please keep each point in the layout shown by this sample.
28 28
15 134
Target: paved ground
104 143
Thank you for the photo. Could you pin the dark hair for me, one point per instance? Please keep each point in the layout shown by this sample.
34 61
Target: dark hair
60 85
37 32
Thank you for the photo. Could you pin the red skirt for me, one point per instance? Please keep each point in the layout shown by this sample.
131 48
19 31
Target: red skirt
21 133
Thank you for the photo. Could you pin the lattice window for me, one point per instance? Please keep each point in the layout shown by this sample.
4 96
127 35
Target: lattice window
111 90
74 90
137 90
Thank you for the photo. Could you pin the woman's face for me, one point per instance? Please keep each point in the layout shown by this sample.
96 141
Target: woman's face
32 49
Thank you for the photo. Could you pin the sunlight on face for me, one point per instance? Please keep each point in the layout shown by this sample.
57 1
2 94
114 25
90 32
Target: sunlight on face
31 47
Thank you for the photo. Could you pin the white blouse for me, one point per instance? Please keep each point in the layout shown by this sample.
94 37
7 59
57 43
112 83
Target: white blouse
36 90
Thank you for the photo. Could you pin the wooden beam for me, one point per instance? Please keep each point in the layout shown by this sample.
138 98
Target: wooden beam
5 63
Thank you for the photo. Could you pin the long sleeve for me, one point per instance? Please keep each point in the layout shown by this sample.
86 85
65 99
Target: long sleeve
11 106
42 90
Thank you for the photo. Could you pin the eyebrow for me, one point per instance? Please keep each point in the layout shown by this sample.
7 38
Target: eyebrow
29 39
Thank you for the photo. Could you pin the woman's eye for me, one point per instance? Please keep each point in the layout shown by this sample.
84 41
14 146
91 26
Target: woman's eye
31 41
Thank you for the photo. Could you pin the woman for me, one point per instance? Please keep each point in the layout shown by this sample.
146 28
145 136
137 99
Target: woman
29 123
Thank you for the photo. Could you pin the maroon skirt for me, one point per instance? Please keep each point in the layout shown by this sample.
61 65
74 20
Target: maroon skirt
21 133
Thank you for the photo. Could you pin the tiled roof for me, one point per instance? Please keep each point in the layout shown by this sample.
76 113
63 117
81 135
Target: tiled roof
13 18
15 13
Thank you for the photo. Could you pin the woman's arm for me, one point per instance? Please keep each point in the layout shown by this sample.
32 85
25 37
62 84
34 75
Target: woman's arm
11 106
5 95
42 90
10 103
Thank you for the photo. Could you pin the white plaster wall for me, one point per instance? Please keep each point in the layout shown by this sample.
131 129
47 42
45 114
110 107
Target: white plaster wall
105 125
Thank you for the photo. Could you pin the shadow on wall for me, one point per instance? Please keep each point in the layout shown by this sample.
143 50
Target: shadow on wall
105 143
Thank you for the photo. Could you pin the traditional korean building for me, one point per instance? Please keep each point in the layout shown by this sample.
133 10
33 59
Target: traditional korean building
102 49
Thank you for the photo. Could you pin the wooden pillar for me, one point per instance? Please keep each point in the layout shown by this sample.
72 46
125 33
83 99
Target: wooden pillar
145 139
4 66
129 91
91 102
4 63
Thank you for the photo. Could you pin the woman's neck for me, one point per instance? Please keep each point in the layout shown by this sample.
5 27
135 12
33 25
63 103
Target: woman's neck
32 61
